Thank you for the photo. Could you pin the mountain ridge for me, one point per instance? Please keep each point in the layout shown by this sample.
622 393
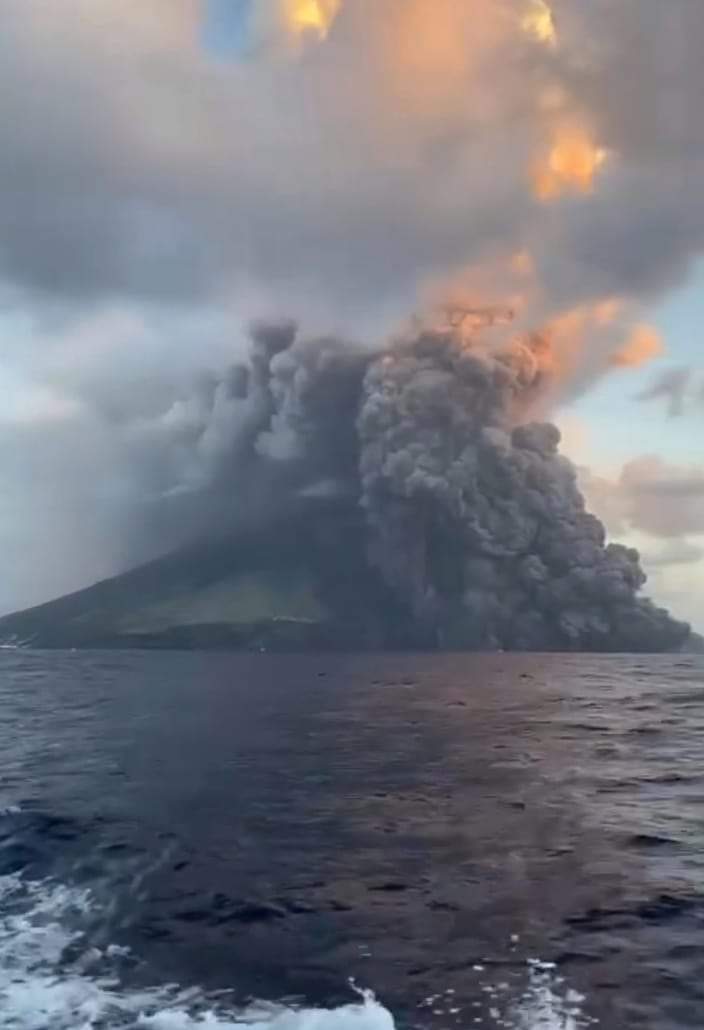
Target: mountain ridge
299 582
294 584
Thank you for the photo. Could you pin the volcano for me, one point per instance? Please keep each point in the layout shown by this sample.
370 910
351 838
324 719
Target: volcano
297 584
403 497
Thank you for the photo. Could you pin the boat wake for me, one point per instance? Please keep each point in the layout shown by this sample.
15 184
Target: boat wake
52 974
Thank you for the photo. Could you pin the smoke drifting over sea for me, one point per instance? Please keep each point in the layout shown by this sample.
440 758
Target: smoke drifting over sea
472 516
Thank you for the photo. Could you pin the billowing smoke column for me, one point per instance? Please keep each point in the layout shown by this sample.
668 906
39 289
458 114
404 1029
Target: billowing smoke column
473 518
478 518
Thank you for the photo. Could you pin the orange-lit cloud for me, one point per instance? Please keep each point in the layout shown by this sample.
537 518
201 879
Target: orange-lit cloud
571 166
310 17
430 56
643 344
522 264
581 344
538 21
587 341
573 347
498 293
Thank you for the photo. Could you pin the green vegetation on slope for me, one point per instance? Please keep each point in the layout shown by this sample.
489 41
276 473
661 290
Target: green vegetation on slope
295 584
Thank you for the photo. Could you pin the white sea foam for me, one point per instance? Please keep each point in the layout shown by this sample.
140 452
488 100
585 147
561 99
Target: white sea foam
40 924
39 921
548 1004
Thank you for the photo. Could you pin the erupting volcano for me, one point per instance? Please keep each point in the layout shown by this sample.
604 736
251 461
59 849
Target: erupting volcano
459 522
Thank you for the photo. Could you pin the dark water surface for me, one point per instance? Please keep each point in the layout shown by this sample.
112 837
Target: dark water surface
481 841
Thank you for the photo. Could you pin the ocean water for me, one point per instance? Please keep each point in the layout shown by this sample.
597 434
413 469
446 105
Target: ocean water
351 843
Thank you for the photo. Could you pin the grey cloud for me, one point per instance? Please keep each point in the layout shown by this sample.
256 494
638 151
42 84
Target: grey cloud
664 500
682 389
132 165
676 552
637 239
635 68
651 496
673 386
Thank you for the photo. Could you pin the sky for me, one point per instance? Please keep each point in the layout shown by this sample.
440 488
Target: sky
171 169
613 425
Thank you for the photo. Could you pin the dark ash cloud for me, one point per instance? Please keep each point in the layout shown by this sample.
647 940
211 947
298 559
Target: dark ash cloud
473 517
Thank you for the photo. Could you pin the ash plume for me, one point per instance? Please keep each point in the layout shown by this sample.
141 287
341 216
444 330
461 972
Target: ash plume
472 516
167 172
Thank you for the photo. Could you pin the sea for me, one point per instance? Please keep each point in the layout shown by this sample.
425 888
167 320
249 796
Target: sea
351 842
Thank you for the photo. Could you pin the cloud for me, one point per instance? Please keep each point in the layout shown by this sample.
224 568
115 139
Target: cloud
675 552
89 442
135 165
651 496
679 388
675 576
153 197
643 344
657 507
